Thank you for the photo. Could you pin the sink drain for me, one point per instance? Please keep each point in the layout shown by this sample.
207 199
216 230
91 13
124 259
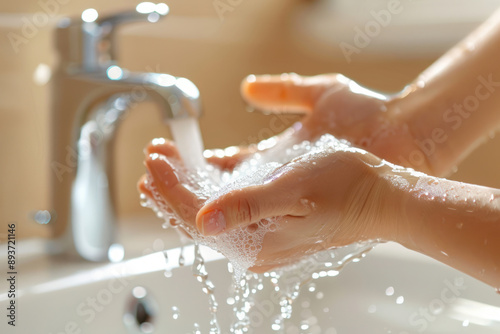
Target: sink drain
141 312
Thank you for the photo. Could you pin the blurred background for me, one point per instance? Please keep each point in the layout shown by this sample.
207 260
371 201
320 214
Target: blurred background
215 44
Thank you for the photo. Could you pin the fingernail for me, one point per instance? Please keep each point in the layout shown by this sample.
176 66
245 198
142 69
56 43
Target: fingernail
148 150
251 78
213 222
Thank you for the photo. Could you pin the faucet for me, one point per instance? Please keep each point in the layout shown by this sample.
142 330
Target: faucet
91 95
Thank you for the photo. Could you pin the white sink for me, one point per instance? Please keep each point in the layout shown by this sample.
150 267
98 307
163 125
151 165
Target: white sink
392 290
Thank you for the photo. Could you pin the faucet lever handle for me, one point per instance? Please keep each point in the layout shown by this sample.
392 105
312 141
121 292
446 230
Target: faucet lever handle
144 12
91 43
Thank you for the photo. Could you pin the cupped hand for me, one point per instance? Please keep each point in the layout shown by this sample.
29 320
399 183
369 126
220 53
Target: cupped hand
321 200
334 104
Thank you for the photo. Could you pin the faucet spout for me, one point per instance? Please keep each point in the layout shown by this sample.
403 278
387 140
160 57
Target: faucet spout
177 97
91 95
83 195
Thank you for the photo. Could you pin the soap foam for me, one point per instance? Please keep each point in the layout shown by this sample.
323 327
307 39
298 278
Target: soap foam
240 245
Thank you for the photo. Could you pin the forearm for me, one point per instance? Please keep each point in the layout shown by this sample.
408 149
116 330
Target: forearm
452 222
454 104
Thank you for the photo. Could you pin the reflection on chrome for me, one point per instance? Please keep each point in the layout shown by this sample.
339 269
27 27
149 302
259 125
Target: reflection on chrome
166 80
114 72
188 88
90 15
149 7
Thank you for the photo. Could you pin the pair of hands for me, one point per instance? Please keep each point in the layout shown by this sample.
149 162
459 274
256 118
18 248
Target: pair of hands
322 200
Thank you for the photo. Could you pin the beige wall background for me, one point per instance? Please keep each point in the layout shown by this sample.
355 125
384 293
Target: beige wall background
256 36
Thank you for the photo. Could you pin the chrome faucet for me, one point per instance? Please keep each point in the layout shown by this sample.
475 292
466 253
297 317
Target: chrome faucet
91 94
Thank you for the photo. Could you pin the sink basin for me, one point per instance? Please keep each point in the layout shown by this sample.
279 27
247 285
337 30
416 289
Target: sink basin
392 290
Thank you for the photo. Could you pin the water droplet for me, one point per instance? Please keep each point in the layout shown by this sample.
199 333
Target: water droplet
175 312
333 273
144 201
389 291
182 260
168 269
276 327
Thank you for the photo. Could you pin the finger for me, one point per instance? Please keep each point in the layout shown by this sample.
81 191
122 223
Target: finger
228 158
249 205
165 180
142 186
164 147
287 93
262 269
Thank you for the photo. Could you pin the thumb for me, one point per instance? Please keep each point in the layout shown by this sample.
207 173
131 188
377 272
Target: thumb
249 205
286 93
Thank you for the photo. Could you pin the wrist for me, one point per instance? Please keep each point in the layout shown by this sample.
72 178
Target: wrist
420 111
395 200
382 197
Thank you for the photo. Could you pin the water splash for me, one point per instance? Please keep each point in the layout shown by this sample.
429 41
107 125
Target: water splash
201 275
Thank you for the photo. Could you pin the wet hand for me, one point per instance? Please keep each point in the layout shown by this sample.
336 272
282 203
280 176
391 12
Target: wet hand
320 200
333 104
